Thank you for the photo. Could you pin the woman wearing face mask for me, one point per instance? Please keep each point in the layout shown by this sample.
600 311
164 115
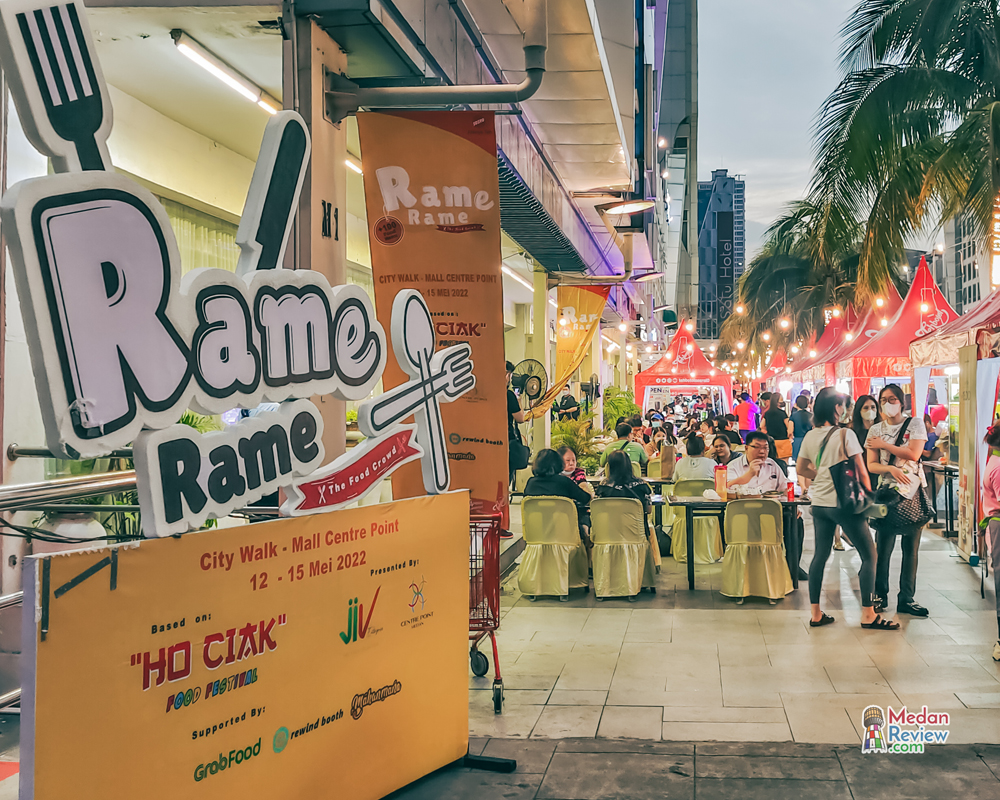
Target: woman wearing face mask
655 443
888 460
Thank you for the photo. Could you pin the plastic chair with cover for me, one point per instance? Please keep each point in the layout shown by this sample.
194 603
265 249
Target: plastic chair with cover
555 558
707 534
623 561
754 564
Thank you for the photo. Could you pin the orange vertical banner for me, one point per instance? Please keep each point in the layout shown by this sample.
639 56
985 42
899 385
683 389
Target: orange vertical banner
433 201
580 309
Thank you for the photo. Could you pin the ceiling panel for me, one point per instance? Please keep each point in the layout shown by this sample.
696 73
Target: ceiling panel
139 57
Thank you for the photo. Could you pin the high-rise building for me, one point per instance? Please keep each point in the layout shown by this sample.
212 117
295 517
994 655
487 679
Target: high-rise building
963 283
721 248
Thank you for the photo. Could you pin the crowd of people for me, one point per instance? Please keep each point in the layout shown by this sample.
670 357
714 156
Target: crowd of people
872 439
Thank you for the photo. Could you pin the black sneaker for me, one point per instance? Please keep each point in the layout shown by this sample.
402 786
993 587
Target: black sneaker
913 609
506 535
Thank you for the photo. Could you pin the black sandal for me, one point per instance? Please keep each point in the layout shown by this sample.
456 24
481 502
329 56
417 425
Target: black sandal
826 619
880 624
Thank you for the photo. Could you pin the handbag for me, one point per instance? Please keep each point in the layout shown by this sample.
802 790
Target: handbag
852 497
783 447
520 453
903 512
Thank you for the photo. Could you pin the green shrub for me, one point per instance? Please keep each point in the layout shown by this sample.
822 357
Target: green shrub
618 403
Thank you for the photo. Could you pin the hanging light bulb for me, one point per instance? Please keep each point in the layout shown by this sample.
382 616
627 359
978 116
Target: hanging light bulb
649 348
563 321
766 336
740 309
885 322
785 323
689 327
690 347
836 311
812 354
924 308
740 345
674 370
795 348
628 348
879 302
623 327
848 336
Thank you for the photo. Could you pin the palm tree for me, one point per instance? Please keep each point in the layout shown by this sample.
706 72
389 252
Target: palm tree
913 129
809 262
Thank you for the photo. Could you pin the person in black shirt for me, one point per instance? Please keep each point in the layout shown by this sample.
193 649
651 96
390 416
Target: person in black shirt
548 481
568 408
726 431
621 482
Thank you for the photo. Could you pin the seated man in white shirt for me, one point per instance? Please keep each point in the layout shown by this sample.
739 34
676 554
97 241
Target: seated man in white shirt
754 469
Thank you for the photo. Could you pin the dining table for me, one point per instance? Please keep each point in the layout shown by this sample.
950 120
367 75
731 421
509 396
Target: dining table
705 507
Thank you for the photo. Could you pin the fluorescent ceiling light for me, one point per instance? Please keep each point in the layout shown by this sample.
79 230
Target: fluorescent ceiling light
514 276
351 164
649 276
210 62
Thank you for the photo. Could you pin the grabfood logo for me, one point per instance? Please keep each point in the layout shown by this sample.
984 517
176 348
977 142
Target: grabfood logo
223 762
373 696
357 622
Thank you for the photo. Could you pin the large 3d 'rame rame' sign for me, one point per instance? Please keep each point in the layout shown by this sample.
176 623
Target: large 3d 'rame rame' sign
121 346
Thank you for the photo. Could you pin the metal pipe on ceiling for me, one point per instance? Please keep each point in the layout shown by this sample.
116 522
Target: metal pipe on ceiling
344 97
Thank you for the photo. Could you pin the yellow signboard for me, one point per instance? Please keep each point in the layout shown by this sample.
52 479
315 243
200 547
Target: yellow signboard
317 657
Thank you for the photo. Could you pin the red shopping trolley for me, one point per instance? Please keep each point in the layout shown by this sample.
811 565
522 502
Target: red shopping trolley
484 597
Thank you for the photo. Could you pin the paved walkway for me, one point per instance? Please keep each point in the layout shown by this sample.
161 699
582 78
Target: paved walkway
589 769
694 666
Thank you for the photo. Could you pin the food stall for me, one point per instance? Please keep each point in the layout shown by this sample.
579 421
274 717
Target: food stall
885 357
683 370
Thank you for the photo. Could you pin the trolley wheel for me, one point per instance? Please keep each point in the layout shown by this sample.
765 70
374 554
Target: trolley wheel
531 598
600 599
633 597
564 598
479 662
497 697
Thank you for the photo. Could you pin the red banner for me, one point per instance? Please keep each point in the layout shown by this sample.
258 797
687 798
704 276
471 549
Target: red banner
366 467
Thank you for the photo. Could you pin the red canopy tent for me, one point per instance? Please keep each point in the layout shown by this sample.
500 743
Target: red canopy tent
683 368
833 335
866 329
887 355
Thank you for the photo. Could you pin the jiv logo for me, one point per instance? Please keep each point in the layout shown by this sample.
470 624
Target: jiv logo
355 618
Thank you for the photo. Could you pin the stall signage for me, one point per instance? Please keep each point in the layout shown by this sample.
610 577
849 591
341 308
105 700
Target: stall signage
121 345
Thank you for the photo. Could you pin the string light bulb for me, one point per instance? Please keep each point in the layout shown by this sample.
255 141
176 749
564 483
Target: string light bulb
795 348
885 322
924 308
563 321
879 302
766 336
812 354
785 323
740 309
623 327
740 345
836 311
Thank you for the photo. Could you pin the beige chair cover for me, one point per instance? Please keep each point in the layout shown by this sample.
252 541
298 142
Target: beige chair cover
707 534
754 563
555 558
623 563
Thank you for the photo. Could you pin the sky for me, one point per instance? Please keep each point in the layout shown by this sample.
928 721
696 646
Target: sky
764 69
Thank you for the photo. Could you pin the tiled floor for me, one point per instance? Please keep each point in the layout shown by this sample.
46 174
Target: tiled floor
600 769
694 666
